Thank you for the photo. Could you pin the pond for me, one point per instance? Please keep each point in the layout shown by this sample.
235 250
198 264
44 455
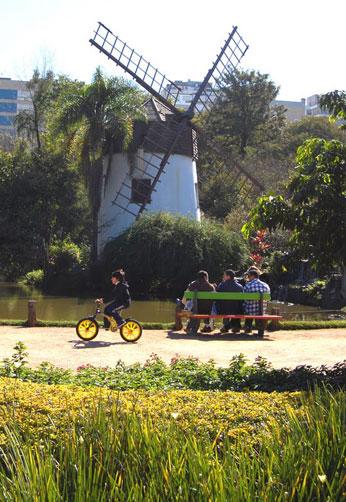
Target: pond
14 305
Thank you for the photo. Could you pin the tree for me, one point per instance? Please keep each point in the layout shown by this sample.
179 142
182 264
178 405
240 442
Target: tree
96 116
335 103
296 133
175 249
40 200
244 115
315 206
241 122
31 122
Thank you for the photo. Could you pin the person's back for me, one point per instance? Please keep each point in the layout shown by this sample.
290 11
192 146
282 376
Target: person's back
229 285
201 306
255 285
252 307
230 307
202 284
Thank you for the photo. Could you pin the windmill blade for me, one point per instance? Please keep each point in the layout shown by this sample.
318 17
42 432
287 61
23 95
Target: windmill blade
151 159
220 154
226 62
143 72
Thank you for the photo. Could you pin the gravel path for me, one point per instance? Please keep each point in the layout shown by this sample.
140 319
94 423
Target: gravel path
61 346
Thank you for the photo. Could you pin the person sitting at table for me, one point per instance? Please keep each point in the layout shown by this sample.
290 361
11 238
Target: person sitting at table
230 307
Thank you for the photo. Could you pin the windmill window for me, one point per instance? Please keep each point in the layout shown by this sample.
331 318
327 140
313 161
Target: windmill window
141 191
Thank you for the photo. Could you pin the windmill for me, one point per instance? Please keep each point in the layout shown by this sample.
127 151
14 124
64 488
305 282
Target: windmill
170 135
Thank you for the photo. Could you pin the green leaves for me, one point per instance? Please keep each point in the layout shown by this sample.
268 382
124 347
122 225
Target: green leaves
315 209
175 249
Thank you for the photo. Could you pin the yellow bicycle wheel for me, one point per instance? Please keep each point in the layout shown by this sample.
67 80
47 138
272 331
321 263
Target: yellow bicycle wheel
131 331
87 329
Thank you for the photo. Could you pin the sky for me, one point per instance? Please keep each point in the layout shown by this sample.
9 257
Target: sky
300 43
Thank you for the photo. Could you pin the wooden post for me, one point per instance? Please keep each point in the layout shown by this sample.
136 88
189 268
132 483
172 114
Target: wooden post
274 325
31 322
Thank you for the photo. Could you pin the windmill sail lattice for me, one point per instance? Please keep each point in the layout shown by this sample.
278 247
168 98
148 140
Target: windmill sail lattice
152 166
141 70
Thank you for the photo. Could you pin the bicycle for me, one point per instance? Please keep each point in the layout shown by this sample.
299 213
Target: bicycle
87 328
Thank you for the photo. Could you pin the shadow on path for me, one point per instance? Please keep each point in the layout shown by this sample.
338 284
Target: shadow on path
205 337
79 344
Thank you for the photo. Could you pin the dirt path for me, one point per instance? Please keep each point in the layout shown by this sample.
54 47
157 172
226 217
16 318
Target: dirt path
61 347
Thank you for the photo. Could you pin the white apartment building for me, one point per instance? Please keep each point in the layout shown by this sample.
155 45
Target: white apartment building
313 108
188 91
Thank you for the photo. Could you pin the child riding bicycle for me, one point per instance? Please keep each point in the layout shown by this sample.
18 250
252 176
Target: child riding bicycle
120 299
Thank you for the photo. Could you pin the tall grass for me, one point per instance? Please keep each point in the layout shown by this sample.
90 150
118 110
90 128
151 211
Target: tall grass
116 457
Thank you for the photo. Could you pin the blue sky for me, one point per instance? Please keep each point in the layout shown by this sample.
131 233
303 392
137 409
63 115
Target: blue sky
301 44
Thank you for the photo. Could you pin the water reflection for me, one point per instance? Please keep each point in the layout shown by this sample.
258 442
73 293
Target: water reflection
14 305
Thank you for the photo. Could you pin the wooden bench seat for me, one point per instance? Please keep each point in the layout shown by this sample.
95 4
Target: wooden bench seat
215 296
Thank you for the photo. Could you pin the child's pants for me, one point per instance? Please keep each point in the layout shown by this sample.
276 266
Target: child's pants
111 311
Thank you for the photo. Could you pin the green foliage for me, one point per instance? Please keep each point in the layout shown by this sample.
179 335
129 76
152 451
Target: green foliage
218 196
244 115
109 455
66 271
14 367
161 253
181 373
335 103
296 133
40 199
315 210
34 278
64 256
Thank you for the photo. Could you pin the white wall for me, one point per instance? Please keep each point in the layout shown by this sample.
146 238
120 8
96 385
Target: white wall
176 193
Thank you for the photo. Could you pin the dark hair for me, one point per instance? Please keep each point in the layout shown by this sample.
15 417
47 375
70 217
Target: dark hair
202 274
253 271
118 274
230 273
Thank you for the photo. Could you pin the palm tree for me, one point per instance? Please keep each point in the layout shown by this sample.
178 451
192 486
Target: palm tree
96 116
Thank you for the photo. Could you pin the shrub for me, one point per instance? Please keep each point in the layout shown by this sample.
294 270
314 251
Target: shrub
34 278
66 268
181 373
161 253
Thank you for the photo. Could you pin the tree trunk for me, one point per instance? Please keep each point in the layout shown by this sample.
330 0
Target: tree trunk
95 188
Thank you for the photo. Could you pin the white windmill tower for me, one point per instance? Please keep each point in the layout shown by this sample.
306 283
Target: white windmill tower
159 174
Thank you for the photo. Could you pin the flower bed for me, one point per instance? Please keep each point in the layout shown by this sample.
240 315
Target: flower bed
50 410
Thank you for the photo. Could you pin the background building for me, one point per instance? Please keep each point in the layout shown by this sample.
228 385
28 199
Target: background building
188 91
14 98
295 110
313 107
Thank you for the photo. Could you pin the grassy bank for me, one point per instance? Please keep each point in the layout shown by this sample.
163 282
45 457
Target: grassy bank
195 446
284 325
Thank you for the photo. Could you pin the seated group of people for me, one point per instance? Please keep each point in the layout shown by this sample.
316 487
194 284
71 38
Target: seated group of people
228 307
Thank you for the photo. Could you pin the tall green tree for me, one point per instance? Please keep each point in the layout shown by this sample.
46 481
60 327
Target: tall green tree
241 122
314 208
96 116
244 114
